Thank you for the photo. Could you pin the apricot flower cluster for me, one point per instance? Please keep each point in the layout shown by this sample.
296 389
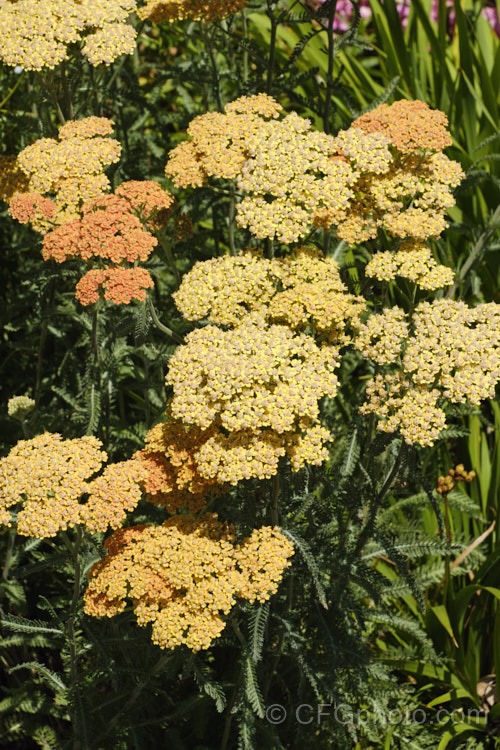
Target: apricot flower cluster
36 33
158 11
50 482
452 355
171 478
184 576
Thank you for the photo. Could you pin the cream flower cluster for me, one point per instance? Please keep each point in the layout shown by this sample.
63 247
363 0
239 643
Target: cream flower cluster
302 290
68 170
453 354
387 171
413 261
36 33
217 145
184 576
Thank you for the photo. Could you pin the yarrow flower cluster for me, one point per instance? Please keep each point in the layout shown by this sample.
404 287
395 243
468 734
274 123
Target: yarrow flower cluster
158 11
260 385
36 33
184 576
66 172
452 355
387 171
302 290
171 477
81 221
217 147
49 481
413 261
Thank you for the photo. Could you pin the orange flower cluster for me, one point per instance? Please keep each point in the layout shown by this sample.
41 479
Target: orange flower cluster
171 477
120 285
90 224
71 169
47 479
37 33
158 11
411 126
108 229
184 576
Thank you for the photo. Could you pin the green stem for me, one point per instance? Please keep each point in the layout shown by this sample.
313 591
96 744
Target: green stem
159 665
9 556
272 46
275 491
165 246
175 336
79 741
331 61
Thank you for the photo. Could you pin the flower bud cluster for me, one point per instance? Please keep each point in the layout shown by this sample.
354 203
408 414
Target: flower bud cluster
446 484
184 576
36 33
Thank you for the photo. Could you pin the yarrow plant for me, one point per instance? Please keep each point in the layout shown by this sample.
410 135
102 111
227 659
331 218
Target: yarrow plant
234 386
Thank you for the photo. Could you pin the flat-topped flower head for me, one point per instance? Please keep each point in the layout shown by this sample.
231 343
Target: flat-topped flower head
411 126
116 284
413 261
184 576
36 33
218 141
12 178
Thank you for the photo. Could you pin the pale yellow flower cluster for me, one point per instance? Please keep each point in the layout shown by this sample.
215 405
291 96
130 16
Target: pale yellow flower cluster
258 383
292 176
381 337
452 354
301 290
158 11
413 261
71 168
400 406
36 33
47 477
457 348
217 147
184 576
